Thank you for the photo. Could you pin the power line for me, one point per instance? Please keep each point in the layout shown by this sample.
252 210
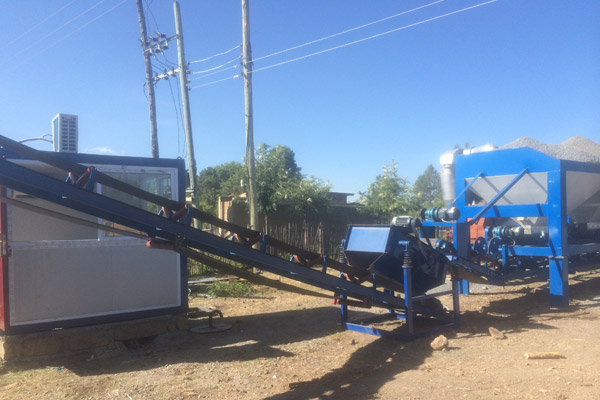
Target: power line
177 106
69 34
215 55
347 31
373 36
58 29
302 45
148 4
184 148
216 72
84 25
213 82
352 43
215 68
38 24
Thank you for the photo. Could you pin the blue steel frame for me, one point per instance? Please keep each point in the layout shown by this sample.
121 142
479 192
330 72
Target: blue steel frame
94 159
443 321
519 162
412 304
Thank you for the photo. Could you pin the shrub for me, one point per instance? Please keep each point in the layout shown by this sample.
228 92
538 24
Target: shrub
233 289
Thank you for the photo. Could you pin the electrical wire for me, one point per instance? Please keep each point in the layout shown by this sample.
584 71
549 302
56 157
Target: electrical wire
347 31
38 24
178 113
85 25
373 36
184 148
213 82
351 43
58 29
217 67
21 61
304 44
217 72
151 14
216 55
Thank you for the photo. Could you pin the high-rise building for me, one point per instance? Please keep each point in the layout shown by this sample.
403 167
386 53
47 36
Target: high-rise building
65 133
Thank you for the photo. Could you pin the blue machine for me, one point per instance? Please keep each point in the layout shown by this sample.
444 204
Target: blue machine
393 257
542 217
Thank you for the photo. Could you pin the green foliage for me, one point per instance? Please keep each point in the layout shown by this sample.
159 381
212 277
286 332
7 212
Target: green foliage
233 289
279 181
196 268
222 180
389 195
428 189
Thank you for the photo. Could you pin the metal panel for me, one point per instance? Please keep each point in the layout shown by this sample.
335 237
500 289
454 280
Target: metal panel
56 281
583 196
368 238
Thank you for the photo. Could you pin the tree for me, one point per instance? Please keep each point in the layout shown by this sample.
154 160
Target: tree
280 181
222 180
428 189
389 195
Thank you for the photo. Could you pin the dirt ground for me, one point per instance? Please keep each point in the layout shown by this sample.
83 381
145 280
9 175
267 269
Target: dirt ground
284 346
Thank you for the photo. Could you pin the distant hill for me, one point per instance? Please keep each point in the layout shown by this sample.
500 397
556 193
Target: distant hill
576 148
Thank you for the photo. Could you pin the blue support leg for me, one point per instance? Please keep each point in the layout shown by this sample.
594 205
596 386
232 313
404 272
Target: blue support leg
463 286
408 300
559 282
462 243
455 299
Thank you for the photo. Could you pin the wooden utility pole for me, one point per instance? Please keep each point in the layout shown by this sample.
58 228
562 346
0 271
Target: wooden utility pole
149 80
247 71
187 120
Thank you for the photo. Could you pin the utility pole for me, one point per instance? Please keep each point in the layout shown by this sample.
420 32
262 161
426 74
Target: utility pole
187 121
149 80
247 71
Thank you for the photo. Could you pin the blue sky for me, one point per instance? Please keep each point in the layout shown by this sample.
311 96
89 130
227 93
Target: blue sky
489 74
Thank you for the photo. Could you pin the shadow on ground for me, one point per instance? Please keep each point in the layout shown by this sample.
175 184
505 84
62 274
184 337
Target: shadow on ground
368 368
528 307
251 337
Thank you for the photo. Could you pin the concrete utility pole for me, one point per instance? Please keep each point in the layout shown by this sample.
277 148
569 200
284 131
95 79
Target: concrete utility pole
187 121
247 64
149 80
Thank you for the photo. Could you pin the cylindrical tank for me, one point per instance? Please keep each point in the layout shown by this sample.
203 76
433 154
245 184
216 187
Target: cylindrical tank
447 174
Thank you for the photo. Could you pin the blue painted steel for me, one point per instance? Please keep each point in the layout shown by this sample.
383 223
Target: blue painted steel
408 301
506 211
557 232
521 260
91 180
263 242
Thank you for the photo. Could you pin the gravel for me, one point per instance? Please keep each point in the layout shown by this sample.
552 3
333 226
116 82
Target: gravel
576 148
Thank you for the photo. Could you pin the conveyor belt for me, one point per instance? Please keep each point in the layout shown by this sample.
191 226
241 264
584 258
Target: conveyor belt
183 236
